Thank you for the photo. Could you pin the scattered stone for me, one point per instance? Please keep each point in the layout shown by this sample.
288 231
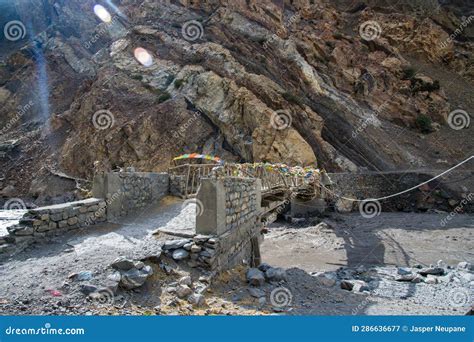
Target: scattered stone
196 299
139 265
115 277
275 274
84 276
431 271
414 278
88 289
465 266
183 291
188 246
264 267
174 244
206 280
446 279
256 292
417 279
135 278
354 285
431 279
255 277
186 280
171 289
200 288
123 264
180 254
347 285
404 271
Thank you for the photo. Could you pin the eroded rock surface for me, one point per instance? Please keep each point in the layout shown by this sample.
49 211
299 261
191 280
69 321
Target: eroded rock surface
259 82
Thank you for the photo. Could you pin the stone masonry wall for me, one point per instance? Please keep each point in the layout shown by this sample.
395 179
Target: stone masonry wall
177 185
241 201
38 224
230 219
127 192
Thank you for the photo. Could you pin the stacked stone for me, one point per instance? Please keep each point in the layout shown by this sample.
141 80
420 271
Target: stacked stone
241 201
200 251
136 191
46 221
177 185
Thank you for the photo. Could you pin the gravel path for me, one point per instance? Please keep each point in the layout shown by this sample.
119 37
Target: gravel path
28 279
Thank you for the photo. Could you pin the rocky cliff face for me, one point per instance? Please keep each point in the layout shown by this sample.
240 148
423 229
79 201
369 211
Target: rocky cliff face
300 82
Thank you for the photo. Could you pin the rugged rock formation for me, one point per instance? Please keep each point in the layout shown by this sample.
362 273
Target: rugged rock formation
276 81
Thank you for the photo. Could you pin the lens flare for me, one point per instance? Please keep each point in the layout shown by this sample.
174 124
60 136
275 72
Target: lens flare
143 56
102 13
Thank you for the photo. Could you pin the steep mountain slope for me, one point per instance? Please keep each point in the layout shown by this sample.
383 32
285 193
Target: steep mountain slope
296 82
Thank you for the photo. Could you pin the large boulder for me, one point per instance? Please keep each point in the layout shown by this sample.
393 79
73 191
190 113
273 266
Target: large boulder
123 264
275 274
134 277
255 277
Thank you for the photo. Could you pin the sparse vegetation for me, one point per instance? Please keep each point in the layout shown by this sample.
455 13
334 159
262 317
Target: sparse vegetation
408 73
423 86
178 83
165 96
424 124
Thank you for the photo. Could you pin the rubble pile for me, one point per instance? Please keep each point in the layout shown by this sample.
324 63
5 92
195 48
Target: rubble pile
200 251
